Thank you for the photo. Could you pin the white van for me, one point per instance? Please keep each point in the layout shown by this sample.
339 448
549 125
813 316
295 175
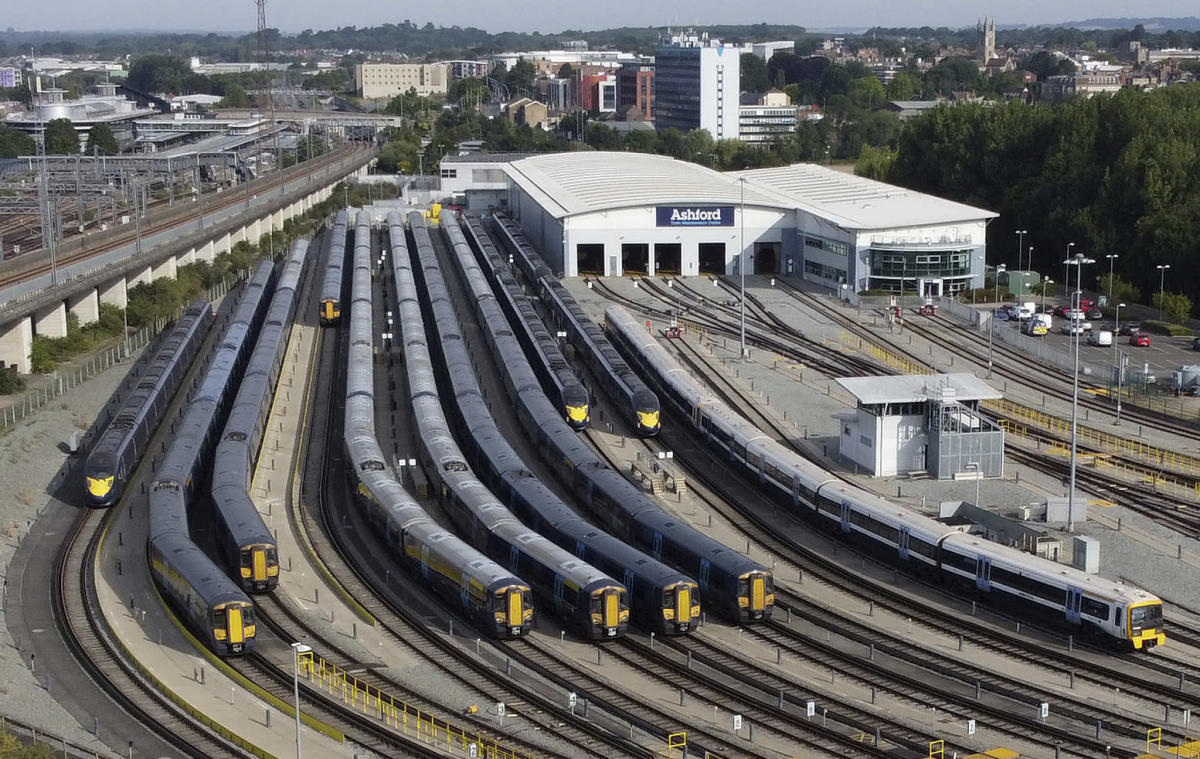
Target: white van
1101 338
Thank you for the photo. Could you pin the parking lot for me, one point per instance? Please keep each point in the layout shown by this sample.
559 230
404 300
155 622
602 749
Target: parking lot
1164 354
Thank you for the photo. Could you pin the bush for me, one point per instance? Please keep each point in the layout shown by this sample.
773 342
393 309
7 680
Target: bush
1157 327
10 381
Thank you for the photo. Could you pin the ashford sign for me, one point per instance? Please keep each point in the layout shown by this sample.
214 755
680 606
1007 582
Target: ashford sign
695 216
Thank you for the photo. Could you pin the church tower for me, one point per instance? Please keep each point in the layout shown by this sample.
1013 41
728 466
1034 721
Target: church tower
986 29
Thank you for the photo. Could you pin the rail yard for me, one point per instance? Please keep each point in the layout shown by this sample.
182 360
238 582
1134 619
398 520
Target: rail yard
464 507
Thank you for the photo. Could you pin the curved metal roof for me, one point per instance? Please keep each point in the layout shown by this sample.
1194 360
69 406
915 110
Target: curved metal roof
572 183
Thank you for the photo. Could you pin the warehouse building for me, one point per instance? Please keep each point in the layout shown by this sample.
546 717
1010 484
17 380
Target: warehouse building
610 214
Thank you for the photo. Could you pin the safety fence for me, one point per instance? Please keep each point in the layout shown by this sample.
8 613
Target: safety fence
1188 747
63 381
1088 437
880 354
55 744
398 715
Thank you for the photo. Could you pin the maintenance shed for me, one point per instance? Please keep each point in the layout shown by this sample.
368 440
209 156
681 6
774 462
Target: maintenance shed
922 424
612 214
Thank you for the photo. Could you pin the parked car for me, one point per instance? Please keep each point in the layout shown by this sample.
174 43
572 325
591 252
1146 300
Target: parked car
1023 313
1094 313
1140 339
1071 328
1196 344
1037 326
1086 303
1100 338
1129 329
1002 314
1061 310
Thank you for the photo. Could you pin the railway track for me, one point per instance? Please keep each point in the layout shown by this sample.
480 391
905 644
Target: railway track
26 266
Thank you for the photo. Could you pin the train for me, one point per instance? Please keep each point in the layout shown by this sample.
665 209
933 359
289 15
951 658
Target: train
116 452
588 601
212 605
245 541
495 600
330 304
638 403
553 372
1033 586
732 585
661 599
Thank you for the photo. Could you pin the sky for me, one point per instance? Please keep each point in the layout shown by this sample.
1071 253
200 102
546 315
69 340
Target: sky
556 16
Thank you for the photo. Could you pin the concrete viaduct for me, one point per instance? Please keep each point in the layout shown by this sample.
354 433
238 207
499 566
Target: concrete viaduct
39 305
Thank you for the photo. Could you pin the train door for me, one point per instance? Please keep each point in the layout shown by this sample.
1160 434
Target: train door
796 493
558 590
258 564
705 567
656 547
1074 599
425 561
983 574
464 588
902 543
233 627
612 610
513 557
580 549
516 610
845 516
628 580
683 606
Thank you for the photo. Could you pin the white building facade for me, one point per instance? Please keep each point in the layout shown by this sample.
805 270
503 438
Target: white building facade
387 80
696 85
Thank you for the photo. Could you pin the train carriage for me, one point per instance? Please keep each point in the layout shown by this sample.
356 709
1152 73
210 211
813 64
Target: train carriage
497 601
330 304
115 454
1033 586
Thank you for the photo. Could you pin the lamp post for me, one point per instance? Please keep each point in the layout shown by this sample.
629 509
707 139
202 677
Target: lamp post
1162 275
992 319
1117 358
1066 275
1112 257
1046 282
1029 263
1078 261
742 257
297 650
1020 244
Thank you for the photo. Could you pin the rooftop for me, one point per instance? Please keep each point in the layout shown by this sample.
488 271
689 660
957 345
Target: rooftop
855 203
574 183
912 388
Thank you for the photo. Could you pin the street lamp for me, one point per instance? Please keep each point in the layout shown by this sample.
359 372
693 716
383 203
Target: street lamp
1046 282
1029 263
992 319
1067 276
1078 261
1117 358
1112 257
742 258
298 649
1020 244
1162 275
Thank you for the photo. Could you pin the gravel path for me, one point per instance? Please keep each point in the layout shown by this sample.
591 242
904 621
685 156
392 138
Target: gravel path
33 461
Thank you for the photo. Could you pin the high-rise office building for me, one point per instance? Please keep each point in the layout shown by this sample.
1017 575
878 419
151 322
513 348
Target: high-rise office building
696 85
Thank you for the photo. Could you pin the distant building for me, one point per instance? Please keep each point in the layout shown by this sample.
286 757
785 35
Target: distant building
765 118
635 90
986 29
696 85
1084 85
105 107
8 77
1000 65
765 50
465 69
527 112
385 80
910 108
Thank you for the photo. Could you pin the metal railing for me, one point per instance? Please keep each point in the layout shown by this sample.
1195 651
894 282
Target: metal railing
398 715
59 746
63 381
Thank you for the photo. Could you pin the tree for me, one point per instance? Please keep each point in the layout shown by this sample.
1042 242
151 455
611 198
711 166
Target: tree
567 71
1045 64
101 141
754 74
14 143
904 86
157 73
1122 290
61 137
235 96
1176 307
520 78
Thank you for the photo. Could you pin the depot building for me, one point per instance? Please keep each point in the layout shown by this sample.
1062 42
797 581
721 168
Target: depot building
612 214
